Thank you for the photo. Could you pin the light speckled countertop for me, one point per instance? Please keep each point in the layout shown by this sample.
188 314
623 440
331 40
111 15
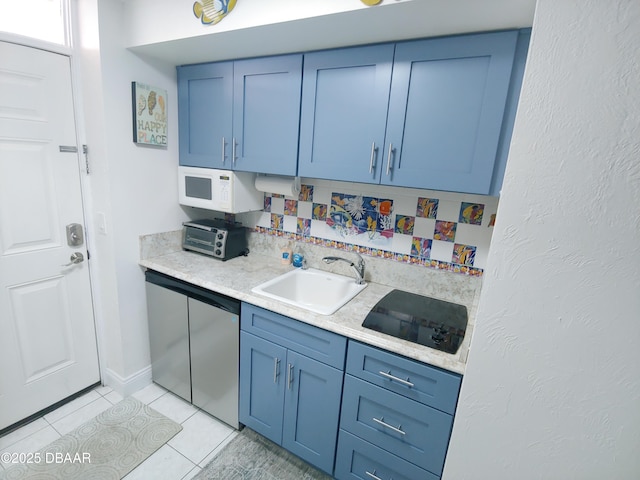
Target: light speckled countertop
236 278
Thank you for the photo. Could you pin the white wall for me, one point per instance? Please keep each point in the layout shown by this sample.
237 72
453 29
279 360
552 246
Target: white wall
169 30
552 389
135 187
246 14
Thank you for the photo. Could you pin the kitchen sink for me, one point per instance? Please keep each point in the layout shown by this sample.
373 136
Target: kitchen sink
314 290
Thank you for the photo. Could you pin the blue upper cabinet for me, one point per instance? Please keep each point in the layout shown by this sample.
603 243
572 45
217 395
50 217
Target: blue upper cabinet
241 115
205 99
522 48
266 114
345 95
434 114
446 110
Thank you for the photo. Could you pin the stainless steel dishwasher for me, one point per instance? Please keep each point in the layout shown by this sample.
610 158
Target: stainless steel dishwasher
194 339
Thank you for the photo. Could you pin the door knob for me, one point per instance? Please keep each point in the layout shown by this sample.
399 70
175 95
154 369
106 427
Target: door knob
76 257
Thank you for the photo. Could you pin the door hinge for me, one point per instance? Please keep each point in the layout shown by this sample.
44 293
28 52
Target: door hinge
68 149
85 151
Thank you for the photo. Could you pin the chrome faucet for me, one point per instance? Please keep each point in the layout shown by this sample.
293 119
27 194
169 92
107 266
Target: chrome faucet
359 268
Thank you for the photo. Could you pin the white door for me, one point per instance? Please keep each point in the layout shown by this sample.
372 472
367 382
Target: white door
47 334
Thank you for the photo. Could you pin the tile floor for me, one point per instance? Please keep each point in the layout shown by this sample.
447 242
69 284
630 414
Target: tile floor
181 458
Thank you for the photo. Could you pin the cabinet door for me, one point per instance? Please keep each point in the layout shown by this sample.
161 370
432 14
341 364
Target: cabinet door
169 339
205 96
446 108
266 114
262 383
312 408
345 94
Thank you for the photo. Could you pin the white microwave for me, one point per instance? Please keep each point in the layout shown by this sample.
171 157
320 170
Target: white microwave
219 190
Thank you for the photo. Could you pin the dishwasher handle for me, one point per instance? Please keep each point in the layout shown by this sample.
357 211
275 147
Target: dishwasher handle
204 295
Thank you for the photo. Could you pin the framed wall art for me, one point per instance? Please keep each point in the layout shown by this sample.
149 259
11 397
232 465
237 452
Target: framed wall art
149 114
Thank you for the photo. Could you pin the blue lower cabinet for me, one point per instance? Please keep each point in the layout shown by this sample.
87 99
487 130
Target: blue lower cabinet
262 386
290 397
358 459
423 383
409 429
312 410
313 342
294 391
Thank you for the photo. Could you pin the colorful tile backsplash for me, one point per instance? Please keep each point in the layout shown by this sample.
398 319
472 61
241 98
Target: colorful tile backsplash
361 219
436 229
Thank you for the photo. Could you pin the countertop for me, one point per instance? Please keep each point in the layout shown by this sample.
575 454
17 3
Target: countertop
236 278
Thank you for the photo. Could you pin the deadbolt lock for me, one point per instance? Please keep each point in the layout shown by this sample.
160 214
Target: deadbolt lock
75 235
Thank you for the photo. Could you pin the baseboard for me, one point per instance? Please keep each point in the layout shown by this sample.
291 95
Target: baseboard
129 385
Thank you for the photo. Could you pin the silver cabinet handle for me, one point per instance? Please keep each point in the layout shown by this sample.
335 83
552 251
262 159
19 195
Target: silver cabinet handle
373 475
233 151
76 257
224 150
397 429
389 158
276 369
396 379
289 375
373 156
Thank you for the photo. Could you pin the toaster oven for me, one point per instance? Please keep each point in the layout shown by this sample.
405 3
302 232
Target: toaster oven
215 238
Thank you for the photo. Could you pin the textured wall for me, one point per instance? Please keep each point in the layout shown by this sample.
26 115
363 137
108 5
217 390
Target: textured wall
552 388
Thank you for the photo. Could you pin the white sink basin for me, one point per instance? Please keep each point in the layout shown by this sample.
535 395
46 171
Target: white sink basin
311 289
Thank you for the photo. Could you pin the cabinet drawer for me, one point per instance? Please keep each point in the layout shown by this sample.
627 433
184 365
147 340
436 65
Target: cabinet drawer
321 345
423 383
358 459
404 427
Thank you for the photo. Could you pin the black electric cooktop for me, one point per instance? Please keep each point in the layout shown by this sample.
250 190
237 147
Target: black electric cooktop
427 321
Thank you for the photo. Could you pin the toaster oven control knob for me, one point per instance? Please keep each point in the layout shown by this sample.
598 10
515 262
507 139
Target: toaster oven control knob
220 236
218 244
218 252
